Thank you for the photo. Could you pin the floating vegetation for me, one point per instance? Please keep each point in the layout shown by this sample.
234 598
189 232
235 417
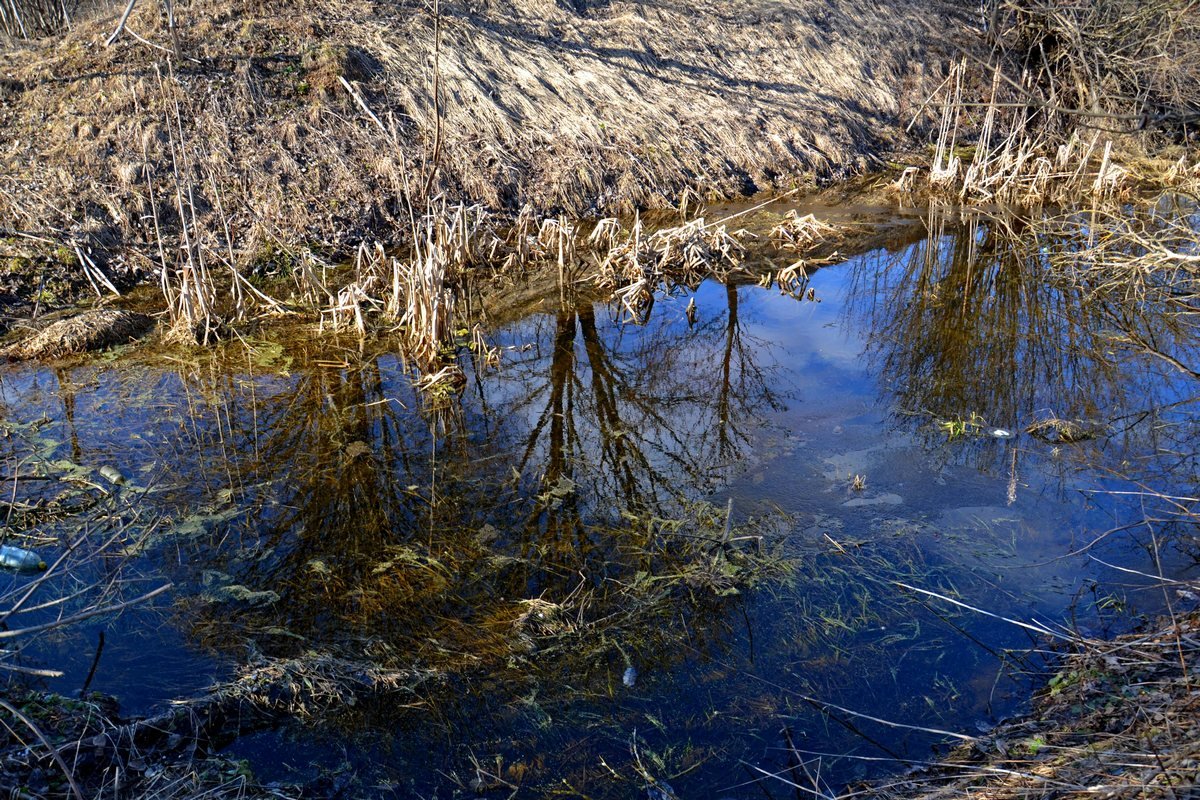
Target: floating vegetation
639 264
972 425
799 234
1064 431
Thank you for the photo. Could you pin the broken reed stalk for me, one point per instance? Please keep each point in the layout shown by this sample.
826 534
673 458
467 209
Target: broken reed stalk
68 567
235 279
187 282
188 288
441 245
50 748
944 169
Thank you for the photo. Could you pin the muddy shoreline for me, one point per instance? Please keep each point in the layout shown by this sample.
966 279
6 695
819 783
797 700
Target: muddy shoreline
862 209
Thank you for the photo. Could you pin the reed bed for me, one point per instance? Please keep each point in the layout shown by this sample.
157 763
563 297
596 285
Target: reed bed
1007 161
1064 100
798 234
637 265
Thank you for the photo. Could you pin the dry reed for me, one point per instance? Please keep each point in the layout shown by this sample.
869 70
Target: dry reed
1058 94
639 264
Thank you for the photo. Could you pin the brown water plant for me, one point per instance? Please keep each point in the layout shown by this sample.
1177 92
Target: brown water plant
641 263
798 234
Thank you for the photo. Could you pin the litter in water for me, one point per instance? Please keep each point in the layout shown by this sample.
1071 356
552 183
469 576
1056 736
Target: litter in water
112 475
20 559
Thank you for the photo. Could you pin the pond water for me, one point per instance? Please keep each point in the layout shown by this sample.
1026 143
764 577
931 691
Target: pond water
552 542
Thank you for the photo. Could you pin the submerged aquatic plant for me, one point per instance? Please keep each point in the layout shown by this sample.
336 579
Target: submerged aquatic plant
971 425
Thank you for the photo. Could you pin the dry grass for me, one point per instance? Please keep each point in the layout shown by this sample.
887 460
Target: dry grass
1067 101
798 234
576 111
638 264
1118 719
92 330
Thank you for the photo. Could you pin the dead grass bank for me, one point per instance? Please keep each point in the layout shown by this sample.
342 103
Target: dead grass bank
1117 720
1061 101
576 107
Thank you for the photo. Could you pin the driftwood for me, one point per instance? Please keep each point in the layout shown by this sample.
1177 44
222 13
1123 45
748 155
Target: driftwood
91 330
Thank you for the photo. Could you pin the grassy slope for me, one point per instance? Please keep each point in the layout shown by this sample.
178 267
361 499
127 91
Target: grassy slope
589 106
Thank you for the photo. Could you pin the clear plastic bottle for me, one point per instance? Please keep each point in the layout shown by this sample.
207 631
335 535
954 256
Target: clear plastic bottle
20 559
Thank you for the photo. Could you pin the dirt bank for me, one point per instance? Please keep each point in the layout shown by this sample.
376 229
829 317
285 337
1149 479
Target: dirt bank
584 106
1117 719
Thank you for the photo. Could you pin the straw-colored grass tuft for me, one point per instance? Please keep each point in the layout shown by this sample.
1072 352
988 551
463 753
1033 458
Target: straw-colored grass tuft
640 263
91 330
1063 100
798 234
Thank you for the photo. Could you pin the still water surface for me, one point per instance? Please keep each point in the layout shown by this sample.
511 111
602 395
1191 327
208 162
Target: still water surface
545 539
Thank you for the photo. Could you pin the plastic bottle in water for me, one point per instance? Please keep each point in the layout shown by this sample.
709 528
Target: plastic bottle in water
20 559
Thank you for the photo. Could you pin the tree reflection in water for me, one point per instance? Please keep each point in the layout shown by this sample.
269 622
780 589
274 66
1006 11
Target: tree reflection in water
517 536
1020 320
407 529
403 526
978 320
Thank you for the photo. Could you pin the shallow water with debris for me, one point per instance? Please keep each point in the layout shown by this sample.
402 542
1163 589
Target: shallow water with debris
552 540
